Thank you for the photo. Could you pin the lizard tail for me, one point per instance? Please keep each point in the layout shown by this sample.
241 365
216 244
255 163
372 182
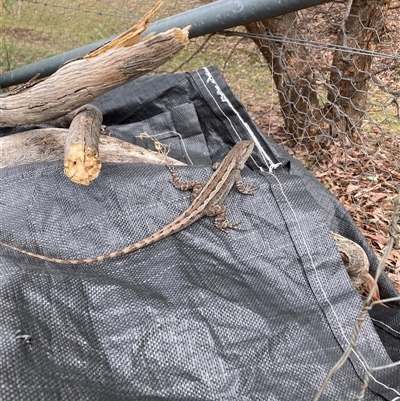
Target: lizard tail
177 225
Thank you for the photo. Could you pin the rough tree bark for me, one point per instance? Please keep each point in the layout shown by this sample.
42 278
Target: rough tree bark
293 70
61 99
81 155
350 73
47 145
292 73
79 81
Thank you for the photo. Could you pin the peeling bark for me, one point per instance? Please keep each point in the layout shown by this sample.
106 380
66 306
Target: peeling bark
80 81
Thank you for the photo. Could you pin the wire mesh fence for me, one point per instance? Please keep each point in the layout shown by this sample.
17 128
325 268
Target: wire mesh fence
323 82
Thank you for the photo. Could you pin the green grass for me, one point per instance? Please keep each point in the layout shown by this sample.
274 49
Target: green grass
382 110
32 32
236 59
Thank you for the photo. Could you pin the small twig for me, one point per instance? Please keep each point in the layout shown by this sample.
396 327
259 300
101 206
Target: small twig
383 87
395 102
228 57
198 50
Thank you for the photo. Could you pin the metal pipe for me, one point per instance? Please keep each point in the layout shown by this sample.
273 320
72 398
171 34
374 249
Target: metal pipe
210 18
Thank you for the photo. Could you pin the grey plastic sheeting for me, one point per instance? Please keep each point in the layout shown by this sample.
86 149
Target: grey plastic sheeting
258 314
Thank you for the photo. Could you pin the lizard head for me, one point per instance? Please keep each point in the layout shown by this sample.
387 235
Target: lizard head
243 150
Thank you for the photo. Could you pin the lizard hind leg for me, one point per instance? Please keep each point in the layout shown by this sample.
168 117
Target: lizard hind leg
220 220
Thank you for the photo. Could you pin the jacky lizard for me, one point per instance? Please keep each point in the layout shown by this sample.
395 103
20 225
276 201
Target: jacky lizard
206 201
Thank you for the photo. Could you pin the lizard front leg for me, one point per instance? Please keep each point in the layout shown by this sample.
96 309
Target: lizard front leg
194 186
246 189
220 210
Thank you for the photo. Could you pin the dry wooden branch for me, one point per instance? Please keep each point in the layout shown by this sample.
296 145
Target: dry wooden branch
81 80
47 145
59 98
81 157
130 37
355 260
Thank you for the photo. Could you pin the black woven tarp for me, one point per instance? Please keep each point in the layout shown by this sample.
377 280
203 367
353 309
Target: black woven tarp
258 314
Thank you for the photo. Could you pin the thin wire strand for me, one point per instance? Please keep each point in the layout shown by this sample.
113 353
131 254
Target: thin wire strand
310 43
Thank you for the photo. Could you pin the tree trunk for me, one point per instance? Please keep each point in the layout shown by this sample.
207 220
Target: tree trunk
350 71
292 74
